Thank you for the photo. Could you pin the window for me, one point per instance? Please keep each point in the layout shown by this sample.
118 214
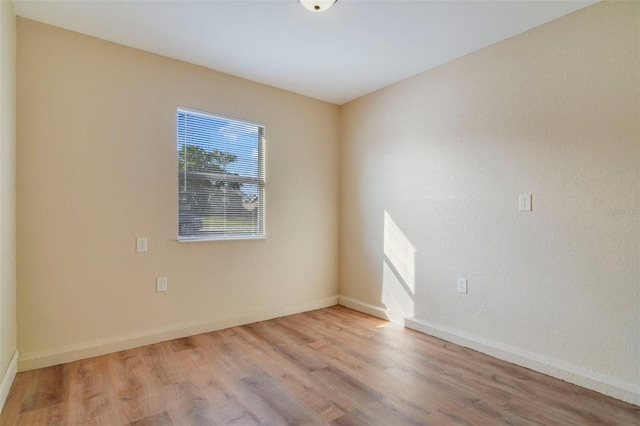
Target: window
220 177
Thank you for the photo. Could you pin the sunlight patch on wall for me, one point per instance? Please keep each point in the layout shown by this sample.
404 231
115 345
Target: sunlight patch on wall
398 269
399 252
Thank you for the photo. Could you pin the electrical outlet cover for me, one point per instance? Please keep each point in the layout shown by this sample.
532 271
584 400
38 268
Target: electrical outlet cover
161 284
525 203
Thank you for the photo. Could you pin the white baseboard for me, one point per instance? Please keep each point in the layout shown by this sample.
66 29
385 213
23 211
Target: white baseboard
41 359
369 309
616 388
364 307
598 382
7 379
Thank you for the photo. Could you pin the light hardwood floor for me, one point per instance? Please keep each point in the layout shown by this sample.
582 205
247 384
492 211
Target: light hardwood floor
331 366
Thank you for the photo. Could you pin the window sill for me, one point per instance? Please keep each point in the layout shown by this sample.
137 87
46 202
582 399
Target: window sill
204 238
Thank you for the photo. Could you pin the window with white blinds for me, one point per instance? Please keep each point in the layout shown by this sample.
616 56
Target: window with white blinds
220 177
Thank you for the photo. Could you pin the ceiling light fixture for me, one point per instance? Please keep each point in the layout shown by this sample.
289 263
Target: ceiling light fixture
317 5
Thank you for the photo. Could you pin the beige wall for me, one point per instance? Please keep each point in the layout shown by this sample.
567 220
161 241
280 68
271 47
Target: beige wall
554 112
7 197
97 168
430 170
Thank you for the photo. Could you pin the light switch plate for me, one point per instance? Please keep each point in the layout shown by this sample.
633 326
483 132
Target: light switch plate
462 285
141 245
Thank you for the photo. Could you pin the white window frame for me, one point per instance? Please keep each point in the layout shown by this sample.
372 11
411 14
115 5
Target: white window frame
221 232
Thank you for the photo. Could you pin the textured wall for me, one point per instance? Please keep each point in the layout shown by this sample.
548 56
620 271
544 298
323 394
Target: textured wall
97 168
431 172
7 187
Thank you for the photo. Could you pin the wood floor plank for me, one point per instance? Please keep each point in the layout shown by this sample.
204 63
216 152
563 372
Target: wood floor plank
330 366
21 385
160 419
283 362
193 407
283 403
377 413
91 390
47 390
219 387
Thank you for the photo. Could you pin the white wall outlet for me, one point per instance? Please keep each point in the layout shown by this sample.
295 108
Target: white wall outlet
161 284
462 285
525 203
141 244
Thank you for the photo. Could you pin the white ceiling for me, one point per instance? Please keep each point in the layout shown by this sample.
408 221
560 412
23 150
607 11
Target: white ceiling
354 48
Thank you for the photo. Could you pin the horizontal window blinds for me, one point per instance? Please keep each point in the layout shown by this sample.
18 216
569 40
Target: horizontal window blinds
220 177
